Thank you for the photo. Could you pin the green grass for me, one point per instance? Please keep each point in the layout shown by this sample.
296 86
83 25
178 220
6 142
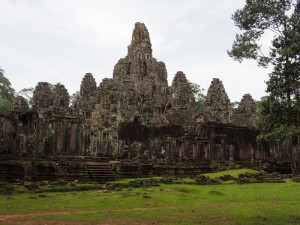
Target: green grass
233 173
256 203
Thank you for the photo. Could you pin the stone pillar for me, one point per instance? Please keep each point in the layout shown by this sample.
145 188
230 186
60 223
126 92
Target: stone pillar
60 138
14 137
231 152
186 151
73 138
206 150
181 149
41 133
173 148
195 150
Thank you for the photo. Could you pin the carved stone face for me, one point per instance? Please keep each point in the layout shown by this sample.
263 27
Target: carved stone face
20 105
42 96
217 103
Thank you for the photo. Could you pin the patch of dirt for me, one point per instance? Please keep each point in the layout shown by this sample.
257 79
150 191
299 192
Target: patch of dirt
171 190
63 222
50 222
14 218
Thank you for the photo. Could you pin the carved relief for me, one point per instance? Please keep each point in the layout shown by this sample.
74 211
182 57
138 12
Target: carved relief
217 103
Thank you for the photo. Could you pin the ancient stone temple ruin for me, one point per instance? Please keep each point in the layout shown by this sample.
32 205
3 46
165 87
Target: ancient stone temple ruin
133 124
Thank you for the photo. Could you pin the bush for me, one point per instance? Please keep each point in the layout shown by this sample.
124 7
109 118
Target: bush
6 189
206 180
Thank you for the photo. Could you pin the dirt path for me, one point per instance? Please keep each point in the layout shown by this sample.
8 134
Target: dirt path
13 218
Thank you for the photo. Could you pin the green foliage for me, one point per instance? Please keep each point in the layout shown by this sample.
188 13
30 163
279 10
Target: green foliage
234 173
6 93
66 188
199 95
279 112
257 17
6 189
273 121
27 93
74 97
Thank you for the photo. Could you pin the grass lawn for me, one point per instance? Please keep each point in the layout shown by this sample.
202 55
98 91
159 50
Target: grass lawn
255 203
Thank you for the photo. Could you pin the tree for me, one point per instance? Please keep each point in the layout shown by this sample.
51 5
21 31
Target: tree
27 93
6 93
279 112
199 96
74 97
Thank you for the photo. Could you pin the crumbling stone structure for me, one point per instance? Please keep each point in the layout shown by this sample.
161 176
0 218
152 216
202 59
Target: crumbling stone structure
61 98
245 113
86 100
42 96
218 107
131 118
20 105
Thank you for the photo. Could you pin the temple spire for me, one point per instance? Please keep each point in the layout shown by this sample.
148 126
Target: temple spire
140 46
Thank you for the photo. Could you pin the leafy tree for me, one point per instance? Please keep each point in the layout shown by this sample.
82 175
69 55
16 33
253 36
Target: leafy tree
74 97
279 112
6 93
235 104
199 95
27 93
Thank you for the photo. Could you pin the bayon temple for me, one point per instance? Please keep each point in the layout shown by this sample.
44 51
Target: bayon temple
133 124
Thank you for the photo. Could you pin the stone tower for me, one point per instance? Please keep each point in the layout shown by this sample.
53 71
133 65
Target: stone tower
20 105
61 98
42 97
245 113
141 85
88 87
85 103
140 46
182 107
182 95
217 103
139 65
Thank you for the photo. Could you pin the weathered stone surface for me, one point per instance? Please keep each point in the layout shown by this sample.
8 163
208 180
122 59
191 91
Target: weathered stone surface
138 92
245 113
140 46
19 105
182 108
61 98
140 85
42 97
182 95
85 103
88 87
217 103
139 65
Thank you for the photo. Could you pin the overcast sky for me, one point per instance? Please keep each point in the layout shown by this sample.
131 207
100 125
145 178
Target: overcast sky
61 40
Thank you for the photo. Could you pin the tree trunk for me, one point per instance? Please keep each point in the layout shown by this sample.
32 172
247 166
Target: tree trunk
293 161
298 153
289 111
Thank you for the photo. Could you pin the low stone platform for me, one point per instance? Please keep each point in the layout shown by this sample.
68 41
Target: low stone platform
105 169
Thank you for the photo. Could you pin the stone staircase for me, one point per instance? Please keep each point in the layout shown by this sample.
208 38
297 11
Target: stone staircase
4 172
43 173
128 171
146 170
17 172
76 173
99 172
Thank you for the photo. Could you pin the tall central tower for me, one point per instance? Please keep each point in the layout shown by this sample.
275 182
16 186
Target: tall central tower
139 67
140 46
